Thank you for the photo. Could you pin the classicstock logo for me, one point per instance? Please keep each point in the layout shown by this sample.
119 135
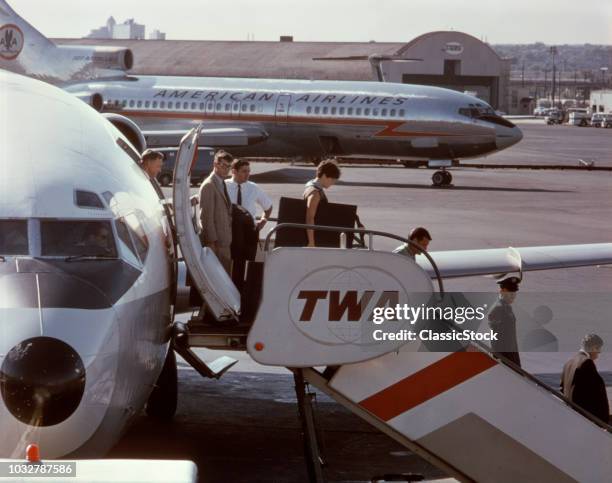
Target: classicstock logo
335 305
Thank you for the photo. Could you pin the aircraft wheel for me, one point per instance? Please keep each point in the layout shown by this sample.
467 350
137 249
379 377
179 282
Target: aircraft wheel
438 178
448 177
163 399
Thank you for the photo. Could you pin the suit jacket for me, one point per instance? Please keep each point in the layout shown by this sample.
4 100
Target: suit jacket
215 212
244 234
582 384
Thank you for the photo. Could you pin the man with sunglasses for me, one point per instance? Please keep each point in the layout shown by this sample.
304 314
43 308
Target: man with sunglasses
216 210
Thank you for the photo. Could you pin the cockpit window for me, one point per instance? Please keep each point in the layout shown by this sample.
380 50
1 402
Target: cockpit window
484 113
13 237
87 199
77 238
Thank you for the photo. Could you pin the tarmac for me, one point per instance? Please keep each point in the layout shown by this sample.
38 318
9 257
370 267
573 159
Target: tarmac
245 426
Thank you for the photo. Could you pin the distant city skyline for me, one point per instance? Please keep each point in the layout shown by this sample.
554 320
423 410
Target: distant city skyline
496 21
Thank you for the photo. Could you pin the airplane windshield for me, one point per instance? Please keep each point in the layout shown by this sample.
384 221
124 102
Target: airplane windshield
72 238
484 112
13 237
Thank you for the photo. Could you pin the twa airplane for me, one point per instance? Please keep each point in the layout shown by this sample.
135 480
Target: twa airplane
88 284
280 118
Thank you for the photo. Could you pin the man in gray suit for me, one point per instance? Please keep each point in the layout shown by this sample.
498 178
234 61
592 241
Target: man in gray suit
216 210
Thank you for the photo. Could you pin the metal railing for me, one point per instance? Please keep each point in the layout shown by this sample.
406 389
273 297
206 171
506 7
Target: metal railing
363 231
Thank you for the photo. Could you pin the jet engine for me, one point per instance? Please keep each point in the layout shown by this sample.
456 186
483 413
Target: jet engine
94 99
98 57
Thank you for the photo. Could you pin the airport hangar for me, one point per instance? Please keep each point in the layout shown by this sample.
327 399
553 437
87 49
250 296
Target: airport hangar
450 59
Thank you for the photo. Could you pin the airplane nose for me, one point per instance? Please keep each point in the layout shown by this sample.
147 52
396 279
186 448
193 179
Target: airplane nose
507 136
42 381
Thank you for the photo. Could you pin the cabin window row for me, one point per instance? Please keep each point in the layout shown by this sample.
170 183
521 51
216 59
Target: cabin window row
193 106
355 111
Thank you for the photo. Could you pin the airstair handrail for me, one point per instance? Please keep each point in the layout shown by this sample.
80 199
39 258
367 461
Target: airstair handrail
530 377
362 231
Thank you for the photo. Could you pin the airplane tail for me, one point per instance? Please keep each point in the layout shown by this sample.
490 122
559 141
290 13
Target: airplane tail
22 47
25 50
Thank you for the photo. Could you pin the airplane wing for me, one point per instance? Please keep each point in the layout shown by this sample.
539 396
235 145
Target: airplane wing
212 137
499 261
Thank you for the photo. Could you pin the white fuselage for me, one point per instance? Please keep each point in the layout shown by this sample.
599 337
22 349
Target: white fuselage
111 314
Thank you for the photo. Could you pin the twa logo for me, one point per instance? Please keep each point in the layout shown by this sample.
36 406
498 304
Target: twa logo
334 305
349 303
11 41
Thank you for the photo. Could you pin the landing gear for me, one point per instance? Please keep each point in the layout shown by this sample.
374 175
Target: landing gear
310 432
442 178
163 399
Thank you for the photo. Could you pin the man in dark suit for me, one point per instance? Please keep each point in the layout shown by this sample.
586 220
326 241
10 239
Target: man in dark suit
503 321
582 384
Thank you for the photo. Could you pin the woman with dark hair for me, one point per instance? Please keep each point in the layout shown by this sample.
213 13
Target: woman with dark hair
314 195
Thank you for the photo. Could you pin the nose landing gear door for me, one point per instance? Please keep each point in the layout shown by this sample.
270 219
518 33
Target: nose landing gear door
207 273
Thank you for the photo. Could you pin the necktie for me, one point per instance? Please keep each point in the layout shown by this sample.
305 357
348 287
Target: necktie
239 196
226 193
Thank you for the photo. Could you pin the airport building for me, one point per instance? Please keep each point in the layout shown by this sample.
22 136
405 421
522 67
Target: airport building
448 59
601 100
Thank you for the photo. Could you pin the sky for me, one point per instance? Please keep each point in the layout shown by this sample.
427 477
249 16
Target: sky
496 21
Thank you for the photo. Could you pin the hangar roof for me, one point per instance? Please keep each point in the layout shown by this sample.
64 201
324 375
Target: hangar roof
289 60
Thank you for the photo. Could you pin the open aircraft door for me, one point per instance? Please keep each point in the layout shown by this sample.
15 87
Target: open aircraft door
207 273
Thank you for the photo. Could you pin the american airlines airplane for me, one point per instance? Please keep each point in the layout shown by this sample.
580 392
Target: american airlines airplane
280 118
88 279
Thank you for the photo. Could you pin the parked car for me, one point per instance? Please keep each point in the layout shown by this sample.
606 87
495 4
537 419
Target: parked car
579 117
554 116
540 111
600 119
201 169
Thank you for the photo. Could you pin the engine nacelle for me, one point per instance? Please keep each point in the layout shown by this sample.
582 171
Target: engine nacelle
100 57
94 99
129 129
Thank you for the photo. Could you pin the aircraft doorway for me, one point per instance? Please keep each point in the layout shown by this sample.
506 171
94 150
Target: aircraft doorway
282 108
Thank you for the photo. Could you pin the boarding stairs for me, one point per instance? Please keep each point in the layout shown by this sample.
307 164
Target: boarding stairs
469 412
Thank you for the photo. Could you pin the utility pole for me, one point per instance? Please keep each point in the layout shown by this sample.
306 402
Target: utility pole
575 83
553 52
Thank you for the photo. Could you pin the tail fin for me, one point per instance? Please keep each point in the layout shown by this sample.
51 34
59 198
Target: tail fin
23 49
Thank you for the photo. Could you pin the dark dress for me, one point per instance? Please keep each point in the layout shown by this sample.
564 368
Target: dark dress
582 384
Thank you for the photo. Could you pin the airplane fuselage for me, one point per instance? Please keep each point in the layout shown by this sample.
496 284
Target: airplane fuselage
315 118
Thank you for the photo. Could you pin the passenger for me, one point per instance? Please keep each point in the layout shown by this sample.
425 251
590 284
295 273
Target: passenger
245 196
503 321
421 237
314 195
216 210
582 384
151 163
